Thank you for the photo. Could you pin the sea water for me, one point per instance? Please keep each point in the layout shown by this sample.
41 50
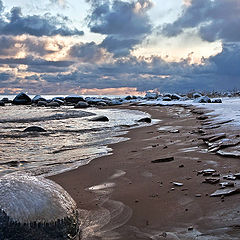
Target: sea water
70 140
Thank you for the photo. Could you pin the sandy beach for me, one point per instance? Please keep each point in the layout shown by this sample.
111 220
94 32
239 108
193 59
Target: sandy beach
134 194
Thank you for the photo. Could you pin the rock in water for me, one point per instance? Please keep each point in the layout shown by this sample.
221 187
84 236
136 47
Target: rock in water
34 129
146 120
22 99
36 208
100 119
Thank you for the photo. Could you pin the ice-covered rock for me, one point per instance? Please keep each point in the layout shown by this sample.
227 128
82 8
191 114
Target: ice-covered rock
197 95
151 95
167 95
203 99
217 100
22 99
35 208
116 102
175 96
166 99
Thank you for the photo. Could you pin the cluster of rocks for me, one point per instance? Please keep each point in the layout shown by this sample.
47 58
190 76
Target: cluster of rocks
76 101
196 97
81 102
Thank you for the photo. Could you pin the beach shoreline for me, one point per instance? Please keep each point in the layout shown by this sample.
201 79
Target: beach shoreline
141 199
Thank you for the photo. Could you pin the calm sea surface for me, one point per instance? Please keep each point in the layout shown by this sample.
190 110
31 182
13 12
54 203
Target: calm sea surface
70 140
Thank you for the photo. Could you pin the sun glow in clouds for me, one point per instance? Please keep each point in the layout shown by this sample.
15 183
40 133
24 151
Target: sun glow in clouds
78 45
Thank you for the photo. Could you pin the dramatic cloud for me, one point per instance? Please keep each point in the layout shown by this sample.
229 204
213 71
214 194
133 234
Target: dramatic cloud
89 52
46 25
215 20
125 23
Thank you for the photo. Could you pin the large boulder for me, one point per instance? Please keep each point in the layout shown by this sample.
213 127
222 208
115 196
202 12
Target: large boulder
36 208
2 103
81 104
74 99
22 99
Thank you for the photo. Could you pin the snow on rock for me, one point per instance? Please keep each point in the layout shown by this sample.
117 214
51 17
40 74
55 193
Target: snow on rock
26 199
36 208
203 99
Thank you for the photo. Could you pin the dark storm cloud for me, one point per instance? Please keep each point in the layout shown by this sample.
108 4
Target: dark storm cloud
46 25
125 23
88 52
30 61
217 73
120 47
7 46
5 76
215 20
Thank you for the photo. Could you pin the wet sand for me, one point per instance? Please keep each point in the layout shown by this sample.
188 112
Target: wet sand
126 196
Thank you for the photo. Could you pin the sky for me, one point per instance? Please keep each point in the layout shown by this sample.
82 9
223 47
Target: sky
119 46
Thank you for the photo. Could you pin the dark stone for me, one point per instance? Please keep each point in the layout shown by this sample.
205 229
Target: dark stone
74 99
161 160
6 100
34 129
42 104
128 98
100 119
38 98
22 99
81 104
146 120
53 104
2 104
218 100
